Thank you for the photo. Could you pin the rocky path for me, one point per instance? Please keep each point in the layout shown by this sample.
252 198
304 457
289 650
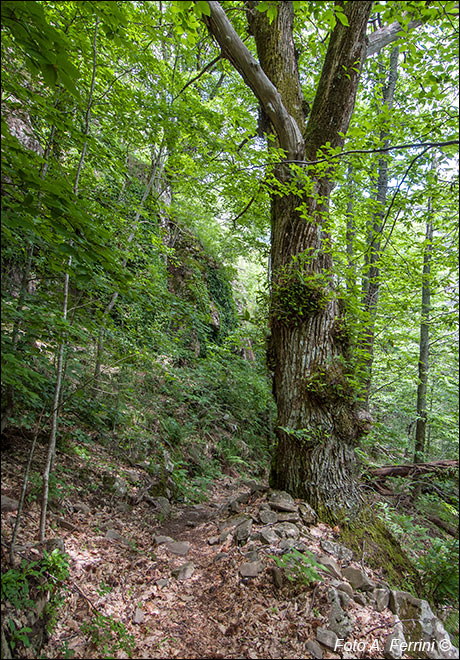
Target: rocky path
203 581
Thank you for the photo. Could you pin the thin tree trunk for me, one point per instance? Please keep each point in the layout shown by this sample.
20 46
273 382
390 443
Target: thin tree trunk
65 300
110 305
350 232
424 347
23 291
371 279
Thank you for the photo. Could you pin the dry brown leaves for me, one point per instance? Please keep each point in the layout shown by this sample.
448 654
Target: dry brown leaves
213 614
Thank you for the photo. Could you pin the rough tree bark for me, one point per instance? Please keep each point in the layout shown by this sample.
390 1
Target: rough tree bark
319 421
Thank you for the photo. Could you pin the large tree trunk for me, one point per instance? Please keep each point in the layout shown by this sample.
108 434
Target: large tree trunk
319 421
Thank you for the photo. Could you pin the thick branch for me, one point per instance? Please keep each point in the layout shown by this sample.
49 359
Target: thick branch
386 36
235 51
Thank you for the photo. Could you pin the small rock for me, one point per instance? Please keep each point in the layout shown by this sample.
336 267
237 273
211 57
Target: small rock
139 616
223 536
8 504
330 564
178 547
113 535
344 599
220 555
184 572
327 638
314 649
252 555
395 643
339 621
278 577
360 599
287 544
251 569
345 587
338 550
243 498
269 536
243 531
268 516
282 501
382 599
162 505
162 582
308 514
159 539
81 507
287 530
232 522
213 540
256 487
358 579
288 517
301 547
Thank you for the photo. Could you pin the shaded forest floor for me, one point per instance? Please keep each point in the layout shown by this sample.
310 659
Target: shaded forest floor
120 568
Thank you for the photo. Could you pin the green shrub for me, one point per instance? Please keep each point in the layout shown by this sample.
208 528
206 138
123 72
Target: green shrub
30 582
299 567
109 635
441 571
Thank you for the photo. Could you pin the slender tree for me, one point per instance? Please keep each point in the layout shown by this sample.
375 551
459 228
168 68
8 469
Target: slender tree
371 278
424 346
65 302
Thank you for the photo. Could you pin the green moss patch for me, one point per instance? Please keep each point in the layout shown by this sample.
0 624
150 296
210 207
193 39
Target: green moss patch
296 296
369 538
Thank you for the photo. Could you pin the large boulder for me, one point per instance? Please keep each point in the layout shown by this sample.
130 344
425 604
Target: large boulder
425 635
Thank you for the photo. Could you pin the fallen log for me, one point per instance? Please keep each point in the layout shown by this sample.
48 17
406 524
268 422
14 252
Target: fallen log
453 531
411 469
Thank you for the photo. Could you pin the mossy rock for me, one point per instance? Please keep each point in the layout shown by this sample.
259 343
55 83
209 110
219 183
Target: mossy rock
368 536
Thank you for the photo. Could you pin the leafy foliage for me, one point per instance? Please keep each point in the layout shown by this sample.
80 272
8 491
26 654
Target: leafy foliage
299 567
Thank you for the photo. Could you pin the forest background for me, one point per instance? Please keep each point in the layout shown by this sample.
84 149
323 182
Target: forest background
137 171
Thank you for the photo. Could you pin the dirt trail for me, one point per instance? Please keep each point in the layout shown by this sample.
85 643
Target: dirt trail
213 612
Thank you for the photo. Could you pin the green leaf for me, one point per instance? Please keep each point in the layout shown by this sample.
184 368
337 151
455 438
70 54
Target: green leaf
202 7
342 18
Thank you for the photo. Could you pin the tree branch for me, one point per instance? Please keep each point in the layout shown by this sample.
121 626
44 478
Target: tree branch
387 35
248 67
202 72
